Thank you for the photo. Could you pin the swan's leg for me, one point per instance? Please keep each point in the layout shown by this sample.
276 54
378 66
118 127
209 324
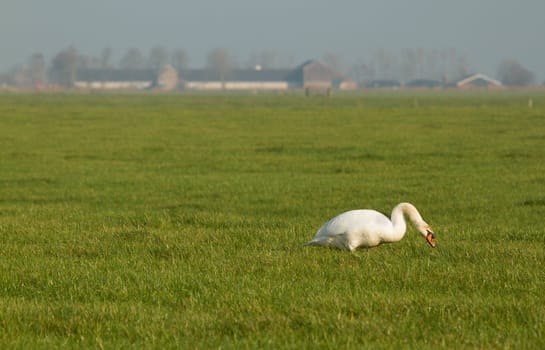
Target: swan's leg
353 253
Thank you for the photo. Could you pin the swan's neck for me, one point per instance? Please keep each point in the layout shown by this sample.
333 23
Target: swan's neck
398 221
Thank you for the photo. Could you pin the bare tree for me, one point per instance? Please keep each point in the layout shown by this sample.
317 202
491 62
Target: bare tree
20 76
408 64
420 66
253 61
132 59
411 63
363 72
334 61
269 59
85 61
105 57
37 69
461 67
179 60
511 72
431 61
265 59
222 62
158 57
63 67
385 63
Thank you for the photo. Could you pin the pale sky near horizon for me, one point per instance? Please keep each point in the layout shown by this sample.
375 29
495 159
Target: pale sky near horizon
485 31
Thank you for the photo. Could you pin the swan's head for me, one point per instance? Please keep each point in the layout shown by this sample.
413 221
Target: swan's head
428 234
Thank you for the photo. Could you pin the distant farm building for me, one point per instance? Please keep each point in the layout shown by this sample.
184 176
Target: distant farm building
236 79
472 81
477 80
167 78
311 75
423 83
384 84
115 79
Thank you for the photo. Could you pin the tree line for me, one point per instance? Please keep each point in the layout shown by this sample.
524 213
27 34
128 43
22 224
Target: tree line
405 65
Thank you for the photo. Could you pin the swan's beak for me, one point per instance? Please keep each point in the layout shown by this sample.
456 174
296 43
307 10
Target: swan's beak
430 238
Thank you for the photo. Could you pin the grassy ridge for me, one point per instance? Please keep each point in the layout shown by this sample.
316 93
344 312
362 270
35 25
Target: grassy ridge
178 221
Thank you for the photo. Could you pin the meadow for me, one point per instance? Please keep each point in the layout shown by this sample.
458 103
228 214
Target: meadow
178 221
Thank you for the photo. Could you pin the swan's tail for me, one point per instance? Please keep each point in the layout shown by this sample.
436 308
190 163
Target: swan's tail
331 242
309 243
317 242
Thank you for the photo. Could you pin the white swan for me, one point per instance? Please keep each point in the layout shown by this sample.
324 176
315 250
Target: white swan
368 228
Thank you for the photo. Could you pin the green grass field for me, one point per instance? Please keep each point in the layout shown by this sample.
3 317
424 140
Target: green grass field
178 221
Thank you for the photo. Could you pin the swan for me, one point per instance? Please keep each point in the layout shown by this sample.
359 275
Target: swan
368 228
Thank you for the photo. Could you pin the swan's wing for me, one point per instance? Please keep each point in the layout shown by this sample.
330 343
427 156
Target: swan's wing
352 229
355 221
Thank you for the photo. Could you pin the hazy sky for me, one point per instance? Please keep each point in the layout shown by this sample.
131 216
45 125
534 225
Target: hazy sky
485 31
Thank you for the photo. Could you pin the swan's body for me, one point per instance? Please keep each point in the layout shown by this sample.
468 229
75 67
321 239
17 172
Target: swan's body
368 228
